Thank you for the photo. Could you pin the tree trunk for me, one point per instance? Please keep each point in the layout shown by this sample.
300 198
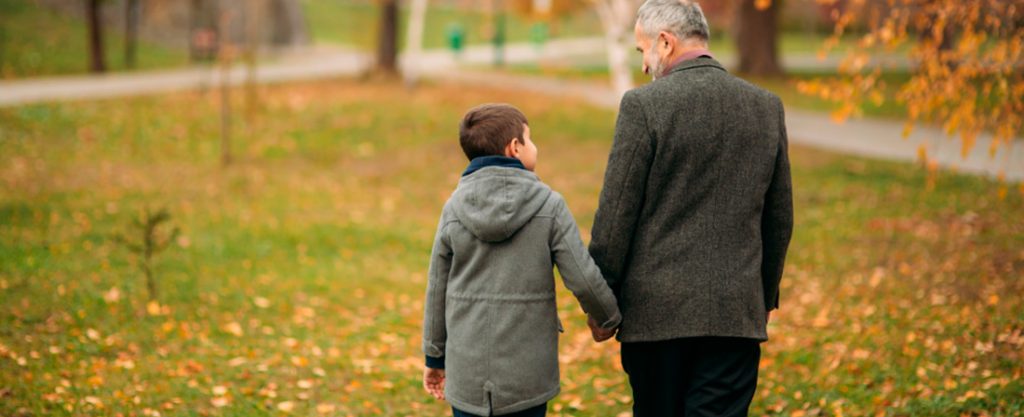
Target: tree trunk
616 19
252 22
131 32
289 23
414 40
757 39
387 41
96 61
618 62
225 57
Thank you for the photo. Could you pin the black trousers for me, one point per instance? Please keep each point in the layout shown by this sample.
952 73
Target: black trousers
538 411
699 376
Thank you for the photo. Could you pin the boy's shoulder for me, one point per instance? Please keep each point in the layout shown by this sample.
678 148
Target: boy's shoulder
553 204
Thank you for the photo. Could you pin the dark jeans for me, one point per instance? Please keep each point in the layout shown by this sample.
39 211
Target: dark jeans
699 376
538 411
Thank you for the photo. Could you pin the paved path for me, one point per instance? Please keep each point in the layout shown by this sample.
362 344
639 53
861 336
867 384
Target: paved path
874 138
308 64
866 137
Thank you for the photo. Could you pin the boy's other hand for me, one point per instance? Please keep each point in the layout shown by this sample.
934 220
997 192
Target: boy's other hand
597 332
433 382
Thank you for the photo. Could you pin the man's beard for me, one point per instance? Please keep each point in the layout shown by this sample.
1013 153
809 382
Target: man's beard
657 67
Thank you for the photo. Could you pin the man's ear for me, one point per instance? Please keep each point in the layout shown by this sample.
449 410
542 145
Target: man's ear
666 41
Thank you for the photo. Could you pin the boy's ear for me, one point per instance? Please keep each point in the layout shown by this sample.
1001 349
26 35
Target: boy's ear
511 150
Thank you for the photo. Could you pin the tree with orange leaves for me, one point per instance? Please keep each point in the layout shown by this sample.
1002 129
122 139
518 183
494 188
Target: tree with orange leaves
966 61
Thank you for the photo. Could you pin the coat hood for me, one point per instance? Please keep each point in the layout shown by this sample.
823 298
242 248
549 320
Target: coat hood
493 203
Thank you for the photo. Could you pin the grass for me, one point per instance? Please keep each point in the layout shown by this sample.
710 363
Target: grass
296 286
354 22
35 41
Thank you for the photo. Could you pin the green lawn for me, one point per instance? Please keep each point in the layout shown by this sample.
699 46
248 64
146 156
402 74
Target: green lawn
296 285
354 22
35 41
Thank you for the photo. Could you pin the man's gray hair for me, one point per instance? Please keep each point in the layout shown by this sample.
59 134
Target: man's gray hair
682 18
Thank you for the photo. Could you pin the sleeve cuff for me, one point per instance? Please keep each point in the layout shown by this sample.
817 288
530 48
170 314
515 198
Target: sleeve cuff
612 322
435 363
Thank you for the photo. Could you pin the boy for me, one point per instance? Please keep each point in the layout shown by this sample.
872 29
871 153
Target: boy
490 329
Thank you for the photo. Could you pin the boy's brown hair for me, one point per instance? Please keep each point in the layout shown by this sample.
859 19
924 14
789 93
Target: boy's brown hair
486 129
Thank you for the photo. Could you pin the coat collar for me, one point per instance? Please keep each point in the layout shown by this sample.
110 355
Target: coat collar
481 162
700 62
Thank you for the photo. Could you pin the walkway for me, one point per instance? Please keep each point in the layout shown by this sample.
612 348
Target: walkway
865 137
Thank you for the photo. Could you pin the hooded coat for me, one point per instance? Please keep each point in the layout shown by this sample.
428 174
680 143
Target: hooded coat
490 314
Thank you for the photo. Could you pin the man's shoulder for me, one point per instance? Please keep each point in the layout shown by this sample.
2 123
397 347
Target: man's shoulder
756 90
668 92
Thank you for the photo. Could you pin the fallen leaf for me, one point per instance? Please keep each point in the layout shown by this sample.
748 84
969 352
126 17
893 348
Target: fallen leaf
234 328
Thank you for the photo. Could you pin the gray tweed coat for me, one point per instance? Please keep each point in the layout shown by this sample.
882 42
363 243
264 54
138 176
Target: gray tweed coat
696 212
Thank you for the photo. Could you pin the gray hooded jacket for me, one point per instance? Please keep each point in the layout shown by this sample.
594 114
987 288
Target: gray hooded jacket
490 307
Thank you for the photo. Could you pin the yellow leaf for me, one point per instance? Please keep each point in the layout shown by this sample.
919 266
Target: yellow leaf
220 401
261 302
112 296
762 4
922 152
234 328
153 308
94 401
908 128
125 363
286 406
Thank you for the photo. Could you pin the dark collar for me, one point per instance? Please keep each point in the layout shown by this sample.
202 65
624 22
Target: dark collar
692 54
699 62
492 161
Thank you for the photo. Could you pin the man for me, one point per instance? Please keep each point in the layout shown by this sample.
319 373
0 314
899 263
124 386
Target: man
693 222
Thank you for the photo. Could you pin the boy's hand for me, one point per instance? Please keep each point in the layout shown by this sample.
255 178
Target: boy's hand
597 332
433 382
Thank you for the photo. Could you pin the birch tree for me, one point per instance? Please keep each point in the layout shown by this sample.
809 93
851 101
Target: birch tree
414 40
617 20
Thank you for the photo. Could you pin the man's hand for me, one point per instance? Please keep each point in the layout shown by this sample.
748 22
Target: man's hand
597 332
433 382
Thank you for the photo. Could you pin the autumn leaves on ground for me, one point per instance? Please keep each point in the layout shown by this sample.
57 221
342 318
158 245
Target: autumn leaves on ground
295 285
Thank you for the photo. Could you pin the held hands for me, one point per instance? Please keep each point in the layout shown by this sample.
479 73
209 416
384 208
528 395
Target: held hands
597 332
433 382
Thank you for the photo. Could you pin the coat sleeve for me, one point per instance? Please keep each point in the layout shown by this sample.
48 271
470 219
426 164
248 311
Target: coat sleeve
581 276
622 196
435 333
776 220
